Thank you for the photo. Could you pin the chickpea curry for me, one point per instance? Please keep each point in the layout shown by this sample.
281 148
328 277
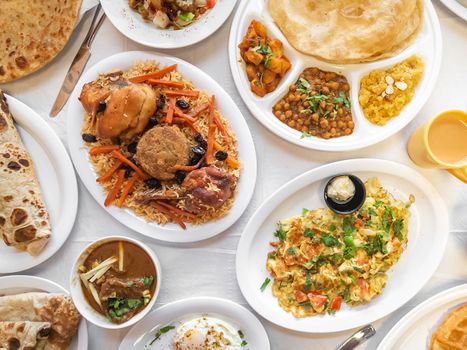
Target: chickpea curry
118 280
266 63
317 105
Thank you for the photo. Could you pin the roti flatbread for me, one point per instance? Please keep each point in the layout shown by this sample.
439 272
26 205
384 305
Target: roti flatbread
24 220
55 308
348 31
23 335
32 33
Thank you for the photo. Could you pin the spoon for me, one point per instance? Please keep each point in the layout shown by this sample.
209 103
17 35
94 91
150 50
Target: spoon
358 338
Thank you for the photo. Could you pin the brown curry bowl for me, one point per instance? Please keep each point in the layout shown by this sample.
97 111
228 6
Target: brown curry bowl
79 297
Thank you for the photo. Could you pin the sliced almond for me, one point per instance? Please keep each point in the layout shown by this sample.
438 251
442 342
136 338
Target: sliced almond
390 90
389 80
384 94
401 85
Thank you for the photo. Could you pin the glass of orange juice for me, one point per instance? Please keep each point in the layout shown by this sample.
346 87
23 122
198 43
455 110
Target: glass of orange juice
442 143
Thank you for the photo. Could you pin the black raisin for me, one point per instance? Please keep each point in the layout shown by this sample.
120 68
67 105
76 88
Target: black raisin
132 147
128 171
89 138
132 159
198 150
160 103
201 141
151 123
221 155
153 183
195 159
180 176
183 104
101 107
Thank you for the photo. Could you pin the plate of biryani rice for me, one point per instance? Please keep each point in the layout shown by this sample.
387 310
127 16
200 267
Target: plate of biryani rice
161 146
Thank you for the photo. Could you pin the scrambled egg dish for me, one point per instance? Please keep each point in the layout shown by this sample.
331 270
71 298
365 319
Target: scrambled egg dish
323 259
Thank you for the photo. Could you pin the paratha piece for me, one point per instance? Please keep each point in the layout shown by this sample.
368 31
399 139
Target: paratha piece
24 220
55 308
32 33
348 31
452 332
23 335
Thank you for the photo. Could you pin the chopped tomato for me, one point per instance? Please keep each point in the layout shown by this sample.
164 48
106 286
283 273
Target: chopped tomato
317 300
358 223
362 258
211 3
364 289
300 296
336 303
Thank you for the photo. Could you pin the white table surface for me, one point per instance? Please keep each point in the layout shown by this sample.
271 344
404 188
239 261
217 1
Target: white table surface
207 268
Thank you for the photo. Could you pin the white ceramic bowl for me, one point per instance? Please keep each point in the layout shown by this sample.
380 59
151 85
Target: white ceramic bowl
79 299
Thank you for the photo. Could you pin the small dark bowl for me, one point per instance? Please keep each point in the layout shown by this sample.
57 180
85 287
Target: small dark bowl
353 204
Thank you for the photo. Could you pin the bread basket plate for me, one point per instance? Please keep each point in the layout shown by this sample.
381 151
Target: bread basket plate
427 45
57 180
24 284
427 236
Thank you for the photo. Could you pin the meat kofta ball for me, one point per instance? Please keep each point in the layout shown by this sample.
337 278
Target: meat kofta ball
160 149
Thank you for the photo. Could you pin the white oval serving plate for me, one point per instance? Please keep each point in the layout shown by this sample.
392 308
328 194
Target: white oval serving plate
428 233
141 335
24 284
168 232
132 25
57 181
428 45
414 330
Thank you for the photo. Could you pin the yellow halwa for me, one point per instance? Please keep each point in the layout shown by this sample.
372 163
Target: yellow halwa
378 106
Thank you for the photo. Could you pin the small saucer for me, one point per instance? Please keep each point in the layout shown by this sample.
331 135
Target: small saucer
354 203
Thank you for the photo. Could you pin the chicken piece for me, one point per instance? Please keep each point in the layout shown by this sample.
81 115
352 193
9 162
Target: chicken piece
91 95
160 149
127 113
207 187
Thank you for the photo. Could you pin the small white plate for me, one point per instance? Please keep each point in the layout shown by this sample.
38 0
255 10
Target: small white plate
414 330
246 149
24 284
57 181
427 45
141 334
132 25
459 7
428 233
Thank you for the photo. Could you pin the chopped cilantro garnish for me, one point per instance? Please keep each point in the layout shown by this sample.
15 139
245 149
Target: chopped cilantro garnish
328 240
265 284
332 227
349 252
303 85
308 233
378 203
358 269
292 251
305 134
160 332
147 280
243 343
305 211
186 16
272 256
398 225
342 98
281 234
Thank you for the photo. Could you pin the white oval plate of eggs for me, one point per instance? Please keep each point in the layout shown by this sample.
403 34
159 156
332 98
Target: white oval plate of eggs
194 322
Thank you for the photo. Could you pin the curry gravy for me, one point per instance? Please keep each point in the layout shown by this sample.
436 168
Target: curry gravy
447 138
137 264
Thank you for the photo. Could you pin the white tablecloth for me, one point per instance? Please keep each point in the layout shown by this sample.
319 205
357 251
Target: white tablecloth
207 268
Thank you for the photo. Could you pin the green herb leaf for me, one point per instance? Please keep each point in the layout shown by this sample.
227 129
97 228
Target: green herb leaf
358 269
349 253
303 85
265 284
240 334
398 226
328 240
147 280
378 203
243 343
380 245
348 225
342 98
281 234
160 332
134 303
308 233
305 211
130 283
292 251
305 134
272 256
332 227
186 16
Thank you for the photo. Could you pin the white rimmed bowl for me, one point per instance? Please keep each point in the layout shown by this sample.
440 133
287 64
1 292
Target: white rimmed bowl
79 299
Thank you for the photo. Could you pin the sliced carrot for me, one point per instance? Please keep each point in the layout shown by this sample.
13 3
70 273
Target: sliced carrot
116 189
189 167
170 110
126 190
168 83
211 3
179 113
222 129
177 211
120 156
230 160
108 175
211 131
103 149
187 122
154 75
196 111
188 93
171 215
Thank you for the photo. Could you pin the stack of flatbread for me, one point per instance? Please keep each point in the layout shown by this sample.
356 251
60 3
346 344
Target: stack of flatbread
40 321
32 33
24 220
348 31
